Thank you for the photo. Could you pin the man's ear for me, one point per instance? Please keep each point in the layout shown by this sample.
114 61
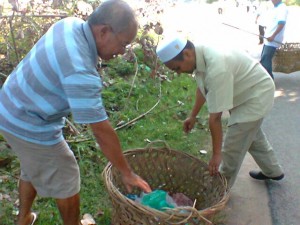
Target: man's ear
187 53
101 30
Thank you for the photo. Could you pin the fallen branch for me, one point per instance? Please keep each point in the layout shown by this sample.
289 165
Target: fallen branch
47 16
3 75
73 127
142 115
167 109
137 118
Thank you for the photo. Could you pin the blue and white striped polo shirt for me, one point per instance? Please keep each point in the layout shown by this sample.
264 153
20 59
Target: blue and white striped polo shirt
57 77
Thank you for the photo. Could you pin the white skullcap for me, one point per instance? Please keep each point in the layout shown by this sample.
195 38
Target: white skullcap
170 48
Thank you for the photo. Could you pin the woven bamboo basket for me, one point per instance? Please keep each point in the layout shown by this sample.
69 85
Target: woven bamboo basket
175 172
287 58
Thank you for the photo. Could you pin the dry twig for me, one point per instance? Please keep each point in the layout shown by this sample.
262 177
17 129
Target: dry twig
135 74
3 75
142 115
13 36
73 127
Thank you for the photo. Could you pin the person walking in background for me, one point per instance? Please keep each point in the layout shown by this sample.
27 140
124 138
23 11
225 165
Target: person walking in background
228 80
57 77
221 6
260 21
274 33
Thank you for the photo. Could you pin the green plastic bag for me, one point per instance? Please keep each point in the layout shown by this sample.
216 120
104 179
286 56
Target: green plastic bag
157 199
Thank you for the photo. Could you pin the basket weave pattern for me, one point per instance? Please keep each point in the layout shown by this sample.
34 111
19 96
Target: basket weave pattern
174 172
287 58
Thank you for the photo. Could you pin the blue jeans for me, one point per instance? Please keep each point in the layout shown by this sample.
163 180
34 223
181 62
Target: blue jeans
266 58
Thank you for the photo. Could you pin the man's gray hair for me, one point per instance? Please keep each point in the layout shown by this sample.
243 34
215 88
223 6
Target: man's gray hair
115 13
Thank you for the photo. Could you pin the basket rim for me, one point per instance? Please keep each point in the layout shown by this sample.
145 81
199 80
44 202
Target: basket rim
180 214
169 213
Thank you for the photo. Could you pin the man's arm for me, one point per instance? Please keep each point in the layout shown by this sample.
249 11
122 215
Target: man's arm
109 143
199 102
215 125
279 28
190 121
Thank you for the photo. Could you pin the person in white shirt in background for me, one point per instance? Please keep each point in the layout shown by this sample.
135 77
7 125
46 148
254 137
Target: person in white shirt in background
260 19
274 33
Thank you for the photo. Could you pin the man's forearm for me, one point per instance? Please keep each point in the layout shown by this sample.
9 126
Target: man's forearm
110 145
277 31
200 100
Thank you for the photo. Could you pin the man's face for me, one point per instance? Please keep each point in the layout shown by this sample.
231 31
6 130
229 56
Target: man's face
187 65
111 44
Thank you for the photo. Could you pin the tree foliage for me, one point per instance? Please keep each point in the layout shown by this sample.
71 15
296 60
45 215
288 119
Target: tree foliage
21 25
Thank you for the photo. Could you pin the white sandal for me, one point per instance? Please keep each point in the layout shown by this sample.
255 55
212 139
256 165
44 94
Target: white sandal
34 215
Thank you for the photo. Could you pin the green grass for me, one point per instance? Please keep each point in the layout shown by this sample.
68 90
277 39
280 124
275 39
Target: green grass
164 123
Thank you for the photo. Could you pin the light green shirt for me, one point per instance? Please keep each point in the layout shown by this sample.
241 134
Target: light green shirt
232 81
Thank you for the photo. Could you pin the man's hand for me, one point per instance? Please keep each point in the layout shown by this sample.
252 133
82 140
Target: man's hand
110 145
277 31
132 180
214 164
270 39
188 124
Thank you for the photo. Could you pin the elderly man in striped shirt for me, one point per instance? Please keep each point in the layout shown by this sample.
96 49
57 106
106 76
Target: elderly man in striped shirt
58 77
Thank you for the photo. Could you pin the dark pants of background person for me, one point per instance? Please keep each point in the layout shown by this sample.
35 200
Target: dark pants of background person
266 58
261 33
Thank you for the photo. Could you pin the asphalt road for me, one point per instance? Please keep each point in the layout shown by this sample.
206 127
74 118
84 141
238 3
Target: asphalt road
282 127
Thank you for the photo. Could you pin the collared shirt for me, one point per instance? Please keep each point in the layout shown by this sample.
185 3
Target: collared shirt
277 15
57 77
232 81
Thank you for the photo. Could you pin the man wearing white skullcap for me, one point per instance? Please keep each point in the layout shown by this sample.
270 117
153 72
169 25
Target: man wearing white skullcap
228 80
169 49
